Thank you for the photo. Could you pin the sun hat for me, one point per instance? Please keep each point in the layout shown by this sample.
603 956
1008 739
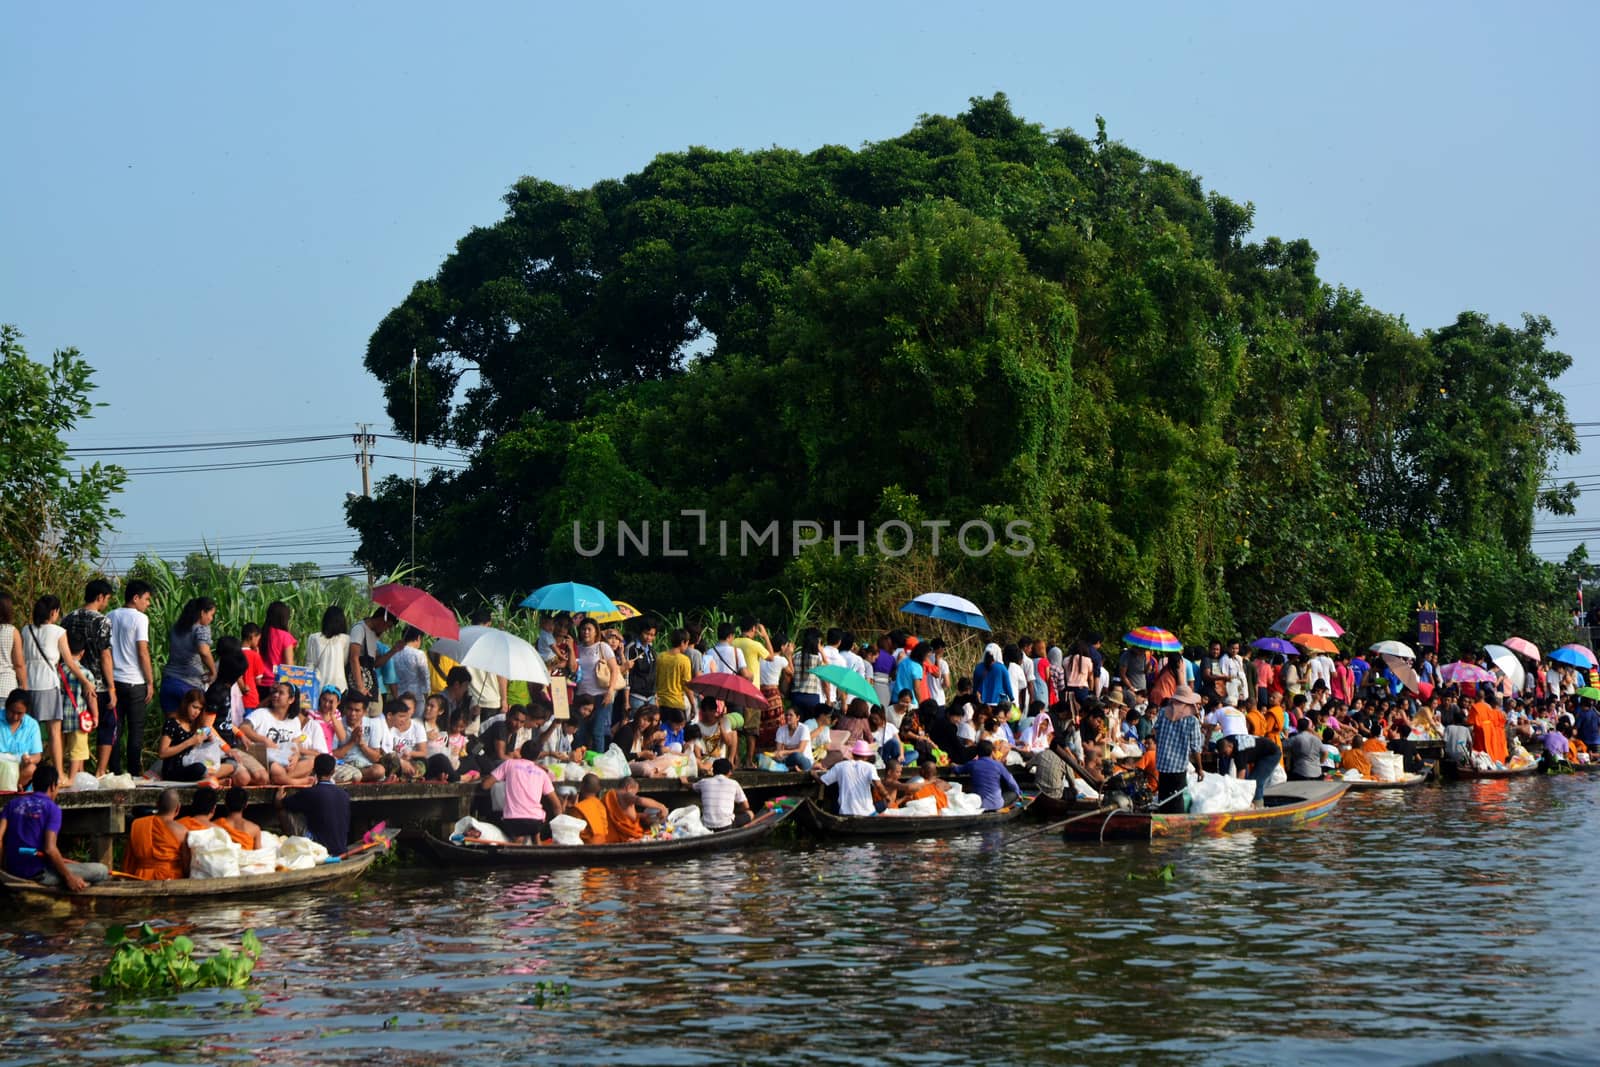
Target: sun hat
1184 695
862 748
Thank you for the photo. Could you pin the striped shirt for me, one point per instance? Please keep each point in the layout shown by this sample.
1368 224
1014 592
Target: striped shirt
1175 740
718 798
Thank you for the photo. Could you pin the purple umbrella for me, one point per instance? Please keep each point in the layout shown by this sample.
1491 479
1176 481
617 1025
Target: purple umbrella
1276 644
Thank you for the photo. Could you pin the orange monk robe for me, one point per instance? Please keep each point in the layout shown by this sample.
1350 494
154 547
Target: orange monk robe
1354 759
194 822
1488 731
1374 744
592 810
1578 748
1264 724
242 838
1147 764
624 821
941 799
153 851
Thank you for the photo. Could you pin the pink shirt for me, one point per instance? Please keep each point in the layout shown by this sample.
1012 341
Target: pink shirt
527 784
274 643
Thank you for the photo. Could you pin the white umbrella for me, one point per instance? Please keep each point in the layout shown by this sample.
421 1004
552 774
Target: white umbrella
487 648
1384 648
1402 669
1507 661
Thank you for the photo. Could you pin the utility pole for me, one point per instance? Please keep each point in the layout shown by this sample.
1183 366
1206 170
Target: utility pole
365 442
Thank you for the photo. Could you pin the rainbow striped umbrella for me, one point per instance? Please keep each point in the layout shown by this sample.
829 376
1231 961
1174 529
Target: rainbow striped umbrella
1153 639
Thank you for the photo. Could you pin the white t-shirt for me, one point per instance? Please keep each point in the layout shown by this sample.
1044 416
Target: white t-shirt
933 670
1319 669
588 656
312 738
411 673
330 658
854 778
799 738
280 734
725 659
772 669
1232 723
376 733
409 739
129 627
965 732
1021 685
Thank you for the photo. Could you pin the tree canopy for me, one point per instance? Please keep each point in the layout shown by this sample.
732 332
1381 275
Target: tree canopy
980 319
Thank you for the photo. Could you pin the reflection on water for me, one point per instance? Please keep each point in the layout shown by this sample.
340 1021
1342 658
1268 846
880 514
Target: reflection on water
1407 927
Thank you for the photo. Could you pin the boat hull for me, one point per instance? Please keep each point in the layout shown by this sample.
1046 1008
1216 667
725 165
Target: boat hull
882 827
128 892
1291 805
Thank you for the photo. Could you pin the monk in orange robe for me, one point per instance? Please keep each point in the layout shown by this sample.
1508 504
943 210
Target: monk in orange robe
156 842
592 810
1375 744
202 809
623 806
930 787
1488 730
1355 759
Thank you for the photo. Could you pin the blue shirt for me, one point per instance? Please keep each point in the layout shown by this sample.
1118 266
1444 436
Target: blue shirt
987 775
326 808
24 740
993 682
1588 726
1175 740
28 818
1359 667
906 676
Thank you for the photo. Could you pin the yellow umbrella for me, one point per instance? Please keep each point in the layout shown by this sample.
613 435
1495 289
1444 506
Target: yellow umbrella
624 611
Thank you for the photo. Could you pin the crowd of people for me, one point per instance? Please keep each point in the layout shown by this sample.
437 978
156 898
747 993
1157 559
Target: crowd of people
1079 721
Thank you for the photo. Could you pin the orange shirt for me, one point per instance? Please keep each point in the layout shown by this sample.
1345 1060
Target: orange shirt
1373 744
592 810
1355 759
932 789
152 850
624 821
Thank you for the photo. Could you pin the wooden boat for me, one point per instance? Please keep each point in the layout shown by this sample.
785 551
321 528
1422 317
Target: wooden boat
451 854
1405 781
827 824
129 891
759 786
1290 804
1471 774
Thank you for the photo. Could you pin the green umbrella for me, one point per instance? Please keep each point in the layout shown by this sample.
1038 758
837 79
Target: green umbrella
1587 691
848 680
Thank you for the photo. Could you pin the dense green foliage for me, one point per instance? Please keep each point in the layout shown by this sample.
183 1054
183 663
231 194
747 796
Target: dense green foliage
978 319
52 515
148 961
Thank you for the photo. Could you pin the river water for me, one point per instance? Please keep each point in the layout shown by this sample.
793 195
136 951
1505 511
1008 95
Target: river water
1405 928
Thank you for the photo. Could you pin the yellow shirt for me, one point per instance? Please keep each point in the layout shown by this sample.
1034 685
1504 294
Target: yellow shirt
673 671
754 652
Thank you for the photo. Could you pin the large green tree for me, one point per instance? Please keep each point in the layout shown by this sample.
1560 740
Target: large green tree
53 513
979 319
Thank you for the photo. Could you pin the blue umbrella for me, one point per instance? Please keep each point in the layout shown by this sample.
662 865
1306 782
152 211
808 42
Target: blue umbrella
1571 658
958 610
569 596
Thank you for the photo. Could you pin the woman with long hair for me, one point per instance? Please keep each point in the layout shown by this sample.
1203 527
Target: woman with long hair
328 650
46 654
598 682
805 691
277 643
189 663
190 749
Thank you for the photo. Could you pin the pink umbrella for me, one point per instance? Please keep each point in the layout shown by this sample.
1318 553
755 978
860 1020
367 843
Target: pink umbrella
1462 671
1523 647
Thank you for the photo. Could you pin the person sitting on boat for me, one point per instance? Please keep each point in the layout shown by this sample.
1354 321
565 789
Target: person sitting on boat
202 808
324 806
886 738
857 782
156 843
1050 774
722 800
530 796
1558 747
244 832
592 810
20 736
1488 724
1304 751
29 826
629 814
988 776
927 787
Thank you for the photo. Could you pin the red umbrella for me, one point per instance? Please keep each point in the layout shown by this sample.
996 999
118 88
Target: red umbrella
418 608
731 688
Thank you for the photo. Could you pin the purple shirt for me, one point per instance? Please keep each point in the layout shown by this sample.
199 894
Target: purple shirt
28 818
1556 744
987 775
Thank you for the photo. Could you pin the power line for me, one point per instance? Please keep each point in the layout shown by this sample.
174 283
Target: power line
260 442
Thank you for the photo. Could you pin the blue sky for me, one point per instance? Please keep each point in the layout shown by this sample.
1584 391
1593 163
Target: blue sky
218 203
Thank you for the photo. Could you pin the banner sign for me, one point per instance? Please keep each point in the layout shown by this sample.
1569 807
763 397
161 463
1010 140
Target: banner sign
304 680
1428 629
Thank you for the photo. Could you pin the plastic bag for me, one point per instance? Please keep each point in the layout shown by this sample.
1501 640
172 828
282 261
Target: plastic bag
923 806
767 763
1218 793
1386 766
84 780
567 830
118 781
262 860
213 854
1085 791
613 764
1278 775
10 771
300 854
486 831
685 822
964 804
